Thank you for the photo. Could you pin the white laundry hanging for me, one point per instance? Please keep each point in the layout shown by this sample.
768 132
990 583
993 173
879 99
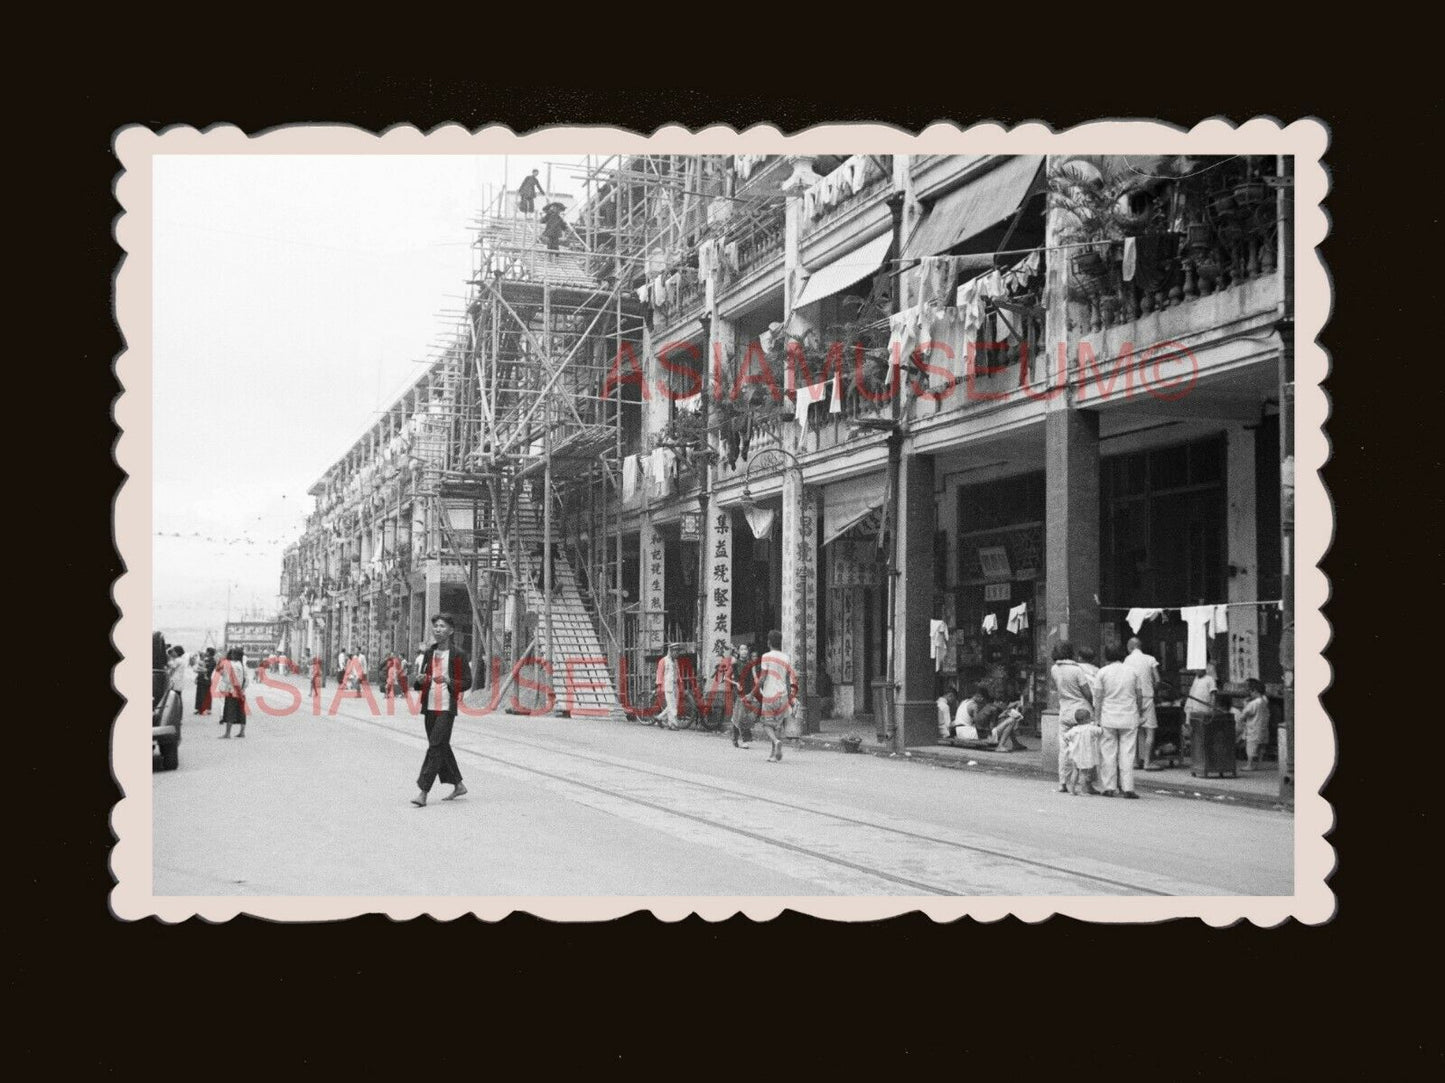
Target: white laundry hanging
990 624
1018 618
1137 616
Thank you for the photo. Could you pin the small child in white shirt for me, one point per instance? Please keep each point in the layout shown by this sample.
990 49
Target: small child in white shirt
1081 740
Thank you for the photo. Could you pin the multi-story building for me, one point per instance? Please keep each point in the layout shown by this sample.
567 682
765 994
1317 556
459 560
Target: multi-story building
1036 395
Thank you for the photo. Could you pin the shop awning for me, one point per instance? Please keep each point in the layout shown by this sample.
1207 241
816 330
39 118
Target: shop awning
844 271
848 503
977 206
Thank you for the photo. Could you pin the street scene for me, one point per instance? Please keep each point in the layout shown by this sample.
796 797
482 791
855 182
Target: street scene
724 525
556 806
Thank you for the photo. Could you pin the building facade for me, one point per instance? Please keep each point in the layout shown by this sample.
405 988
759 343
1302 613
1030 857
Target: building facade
866 399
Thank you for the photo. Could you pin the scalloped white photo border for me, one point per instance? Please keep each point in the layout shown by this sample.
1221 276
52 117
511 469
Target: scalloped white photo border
136 147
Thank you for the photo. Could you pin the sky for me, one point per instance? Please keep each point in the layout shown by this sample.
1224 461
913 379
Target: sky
295 298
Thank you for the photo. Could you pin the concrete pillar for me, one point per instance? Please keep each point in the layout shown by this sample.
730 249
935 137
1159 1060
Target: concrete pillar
800 586
433 593
1071 542
1243 559
917 715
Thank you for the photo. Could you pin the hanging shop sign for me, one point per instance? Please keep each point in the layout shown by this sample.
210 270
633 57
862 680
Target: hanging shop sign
692 526
993 559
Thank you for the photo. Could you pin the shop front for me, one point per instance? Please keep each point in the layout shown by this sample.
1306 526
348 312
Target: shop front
853 599
995 609
1189 564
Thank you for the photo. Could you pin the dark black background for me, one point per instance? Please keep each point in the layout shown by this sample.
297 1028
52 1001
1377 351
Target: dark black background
251 992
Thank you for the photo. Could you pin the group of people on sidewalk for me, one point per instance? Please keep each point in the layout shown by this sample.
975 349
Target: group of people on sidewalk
1101 712
758 691
980 718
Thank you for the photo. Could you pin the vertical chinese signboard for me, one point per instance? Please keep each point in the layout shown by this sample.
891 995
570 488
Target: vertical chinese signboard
718 607
654 617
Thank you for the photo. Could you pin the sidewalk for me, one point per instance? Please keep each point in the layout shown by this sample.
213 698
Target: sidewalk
1259 789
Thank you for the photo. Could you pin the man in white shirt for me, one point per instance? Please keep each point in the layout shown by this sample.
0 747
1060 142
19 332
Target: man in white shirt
966 722
1146 668
1118 707
778 691
669 688
1074 685
945 712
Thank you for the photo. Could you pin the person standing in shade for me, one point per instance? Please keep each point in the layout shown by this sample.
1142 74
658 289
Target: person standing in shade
445 674
528 191
1146 668
1072 684
341 660
1118 708
668 687
1199 704
205 667
777 692
1252 723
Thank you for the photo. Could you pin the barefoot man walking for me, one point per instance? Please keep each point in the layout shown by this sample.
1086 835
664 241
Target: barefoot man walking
445 674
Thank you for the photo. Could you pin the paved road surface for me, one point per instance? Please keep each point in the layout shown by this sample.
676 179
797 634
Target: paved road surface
310 805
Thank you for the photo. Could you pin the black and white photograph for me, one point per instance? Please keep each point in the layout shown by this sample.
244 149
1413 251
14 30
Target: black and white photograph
854 522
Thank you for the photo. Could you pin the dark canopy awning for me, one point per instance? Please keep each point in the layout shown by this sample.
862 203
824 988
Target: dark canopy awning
977 207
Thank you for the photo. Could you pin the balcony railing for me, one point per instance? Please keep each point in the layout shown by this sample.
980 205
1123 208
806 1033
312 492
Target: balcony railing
759 247
1210 231
860 176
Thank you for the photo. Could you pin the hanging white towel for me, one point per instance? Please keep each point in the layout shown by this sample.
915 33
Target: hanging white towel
836 407
1018 618
807 396
1198 618
1137 616
629 477
902 335
990 624
1131 258
730 256
1221 620
937 643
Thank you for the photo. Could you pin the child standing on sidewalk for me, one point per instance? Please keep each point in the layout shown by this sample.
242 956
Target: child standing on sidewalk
1081 741
1252 722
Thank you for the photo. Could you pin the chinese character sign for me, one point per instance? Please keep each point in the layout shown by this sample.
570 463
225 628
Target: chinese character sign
718 595
654 616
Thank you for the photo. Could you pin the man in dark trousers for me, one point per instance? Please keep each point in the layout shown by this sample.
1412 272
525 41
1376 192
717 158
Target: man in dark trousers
528 191
445 674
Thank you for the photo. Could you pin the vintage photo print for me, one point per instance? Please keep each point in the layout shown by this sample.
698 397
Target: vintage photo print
855 521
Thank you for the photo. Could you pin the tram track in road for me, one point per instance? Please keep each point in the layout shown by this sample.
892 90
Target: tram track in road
1031 864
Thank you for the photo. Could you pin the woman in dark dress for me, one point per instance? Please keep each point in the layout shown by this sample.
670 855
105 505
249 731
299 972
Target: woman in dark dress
232 687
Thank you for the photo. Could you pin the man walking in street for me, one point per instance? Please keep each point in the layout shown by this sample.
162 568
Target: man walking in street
1118 705
777 691
669 688
444 675
1146 668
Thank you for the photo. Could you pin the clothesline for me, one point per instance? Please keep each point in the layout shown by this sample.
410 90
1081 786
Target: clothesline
1161 608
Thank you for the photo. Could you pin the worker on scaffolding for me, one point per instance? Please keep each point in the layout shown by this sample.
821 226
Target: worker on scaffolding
554 226
528 191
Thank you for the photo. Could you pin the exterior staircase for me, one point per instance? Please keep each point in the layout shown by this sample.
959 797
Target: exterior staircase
582 680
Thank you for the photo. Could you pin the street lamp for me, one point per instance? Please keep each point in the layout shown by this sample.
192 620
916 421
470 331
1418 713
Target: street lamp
750 504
